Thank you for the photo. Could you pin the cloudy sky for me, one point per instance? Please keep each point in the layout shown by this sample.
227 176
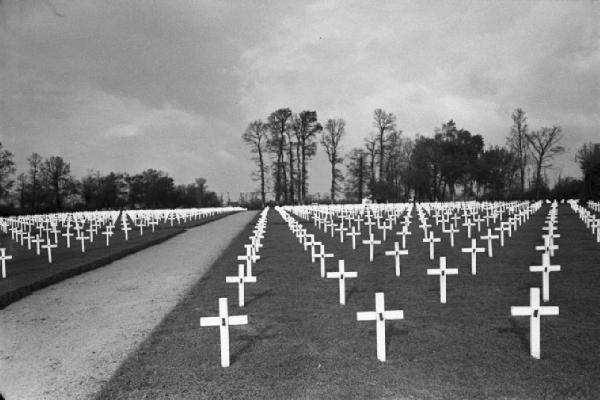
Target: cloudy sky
171 85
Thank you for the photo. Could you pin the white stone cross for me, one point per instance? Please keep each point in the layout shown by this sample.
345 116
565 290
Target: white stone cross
68 236
371 242
550 240
3 258
341 230
473 250
545 269
248 258
547 247
404 232
82 238
490 238
241 280
534 311
432 240
451 231
322 256
442 271
396 253
223 321
49 246
341 275
380 315
469 224
37 242
354 233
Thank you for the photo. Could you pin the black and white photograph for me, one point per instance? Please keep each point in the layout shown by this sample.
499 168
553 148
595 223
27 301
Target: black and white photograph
299 199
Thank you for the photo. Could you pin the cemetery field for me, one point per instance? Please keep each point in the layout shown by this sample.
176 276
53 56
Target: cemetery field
27 272
301 343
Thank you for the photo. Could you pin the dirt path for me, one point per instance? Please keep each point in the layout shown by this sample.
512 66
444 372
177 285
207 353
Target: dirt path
64 341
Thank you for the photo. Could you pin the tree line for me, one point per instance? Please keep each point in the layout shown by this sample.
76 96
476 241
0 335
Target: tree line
451 164
49 186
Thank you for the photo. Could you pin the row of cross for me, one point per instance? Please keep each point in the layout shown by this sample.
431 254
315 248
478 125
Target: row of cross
224 320
43 232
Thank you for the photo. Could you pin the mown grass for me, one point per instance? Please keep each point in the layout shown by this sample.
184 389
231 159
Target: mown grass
28 272
300 343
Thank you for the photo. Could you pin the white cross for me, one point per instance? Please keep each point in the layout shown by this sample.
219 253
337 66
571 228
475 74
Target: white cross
37 242
380 315
341 274
309 240
3 258
371 242
68 236
341 230
473 250
396 253
547 247
240 279
248 259
126 229
108 233
49 246
442 271
545 269
82 238
451 231
354 233
534 311
489 238
550 240
322 256
404 232
432 240
223 321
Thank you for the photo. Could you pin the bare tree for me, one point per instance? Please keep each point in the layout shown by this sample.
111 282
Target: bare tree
385 123
544 146
7 169
35 166
57 177
334 130
306 126
518 143
256 136
371 147
279 124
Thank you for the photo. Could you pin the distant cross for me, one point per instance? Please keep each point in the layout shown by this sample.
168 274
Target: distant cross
442 271
322 256
404 232
49 246
473 250
82 239
545 269
451 231
371 242
468 224
223 321
534 311
354 233
432 240
490 238
3 258
68 236
341 275
341 230
241 280
37 242
396 253
380 315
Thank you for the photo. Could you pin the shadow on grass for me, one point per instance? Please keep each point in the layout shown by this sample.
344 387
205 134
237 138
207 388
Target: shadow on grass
518 331
258 296
250 340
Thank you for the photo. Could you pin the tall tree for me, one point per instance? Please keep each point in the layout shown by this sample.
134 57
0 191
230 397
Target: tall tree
385 123
35 165
357 174
334 130
544 147
371 147
7 170
306 127
588 157
256 136
518 143
279 124
57 177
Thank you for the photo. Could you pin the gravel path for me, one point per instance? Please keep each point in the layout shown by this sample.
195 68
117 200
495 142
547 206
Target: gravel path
65 341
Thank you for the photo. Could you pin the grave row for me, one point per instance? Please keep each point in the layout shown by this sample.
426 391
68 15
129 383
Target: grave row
46 232
244 275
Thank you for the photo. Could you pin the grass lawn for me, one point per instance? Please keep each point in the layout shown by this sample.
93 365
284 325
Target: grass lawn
27 272
300 343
